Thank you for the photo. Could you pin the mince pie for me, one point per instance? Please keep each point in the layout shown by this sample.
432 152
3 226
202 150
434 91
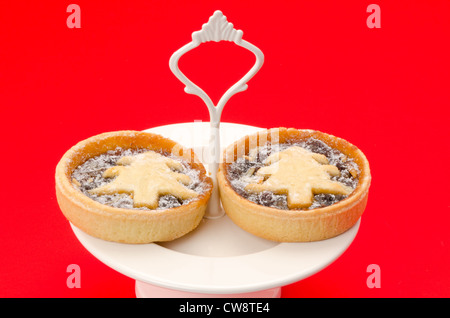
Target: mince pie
293 185
132 187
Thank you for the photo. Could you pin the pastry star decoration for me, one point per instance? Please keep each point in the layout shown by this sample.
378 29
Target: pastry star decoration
299 174
147 176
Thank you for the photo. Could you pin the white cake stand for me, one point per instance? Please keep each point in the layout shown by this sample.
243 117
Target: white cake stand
218 259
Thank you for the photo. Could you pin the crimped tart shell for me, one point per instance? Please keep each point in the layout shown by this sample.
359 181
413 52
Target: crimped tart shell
293 225
126 225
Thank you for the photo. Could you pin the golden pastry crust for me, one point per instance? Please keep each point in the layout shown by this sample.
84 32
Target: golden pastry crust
127 225
293 225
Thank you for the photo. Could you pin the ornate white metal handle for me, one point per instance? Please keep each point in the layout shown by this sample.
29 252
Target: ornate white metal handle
217 29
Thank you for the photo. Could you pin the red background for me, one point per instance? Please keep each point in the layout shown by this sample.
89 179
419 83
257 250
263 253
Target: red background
386 90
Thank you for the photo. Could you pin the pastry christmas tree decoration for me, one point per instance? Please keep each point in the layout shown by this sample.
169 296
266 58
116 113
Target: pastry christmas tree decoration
146 177
299 174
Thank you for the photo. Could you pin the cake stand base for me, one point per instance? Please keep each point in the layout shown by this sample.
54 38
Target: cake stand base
144 290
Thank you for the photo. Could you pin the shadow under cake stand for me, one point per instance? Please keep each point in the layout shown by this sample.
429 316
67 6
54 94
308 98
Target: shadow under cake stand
218 259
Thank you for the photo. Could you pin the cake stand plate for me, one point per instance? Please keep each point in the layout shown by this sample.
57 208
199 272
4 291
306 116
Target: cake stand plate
218 259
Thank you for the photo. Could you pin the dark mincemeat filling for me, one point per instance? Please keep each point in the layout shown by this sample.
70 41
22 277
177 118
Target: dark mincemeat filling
89 175
349 173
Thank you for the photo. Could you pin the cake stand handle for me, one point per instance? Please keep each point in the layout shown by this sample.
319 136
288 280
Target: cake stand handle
217 29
